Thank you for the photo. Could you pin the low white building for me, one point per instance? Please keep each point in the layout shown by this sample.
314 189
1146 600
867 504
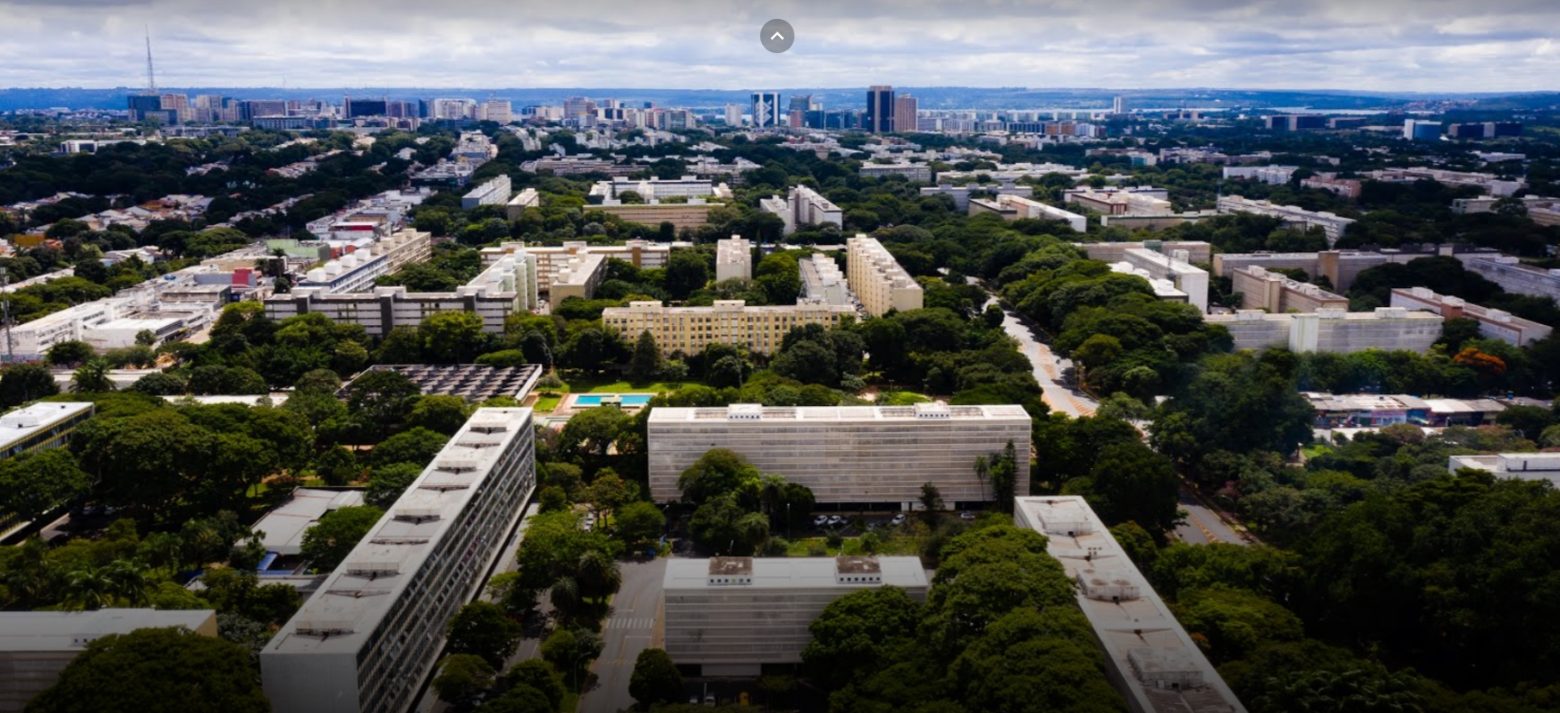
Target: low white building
41 426
495 191
1334 331
1493 323
913 172
1272 175
733 259
732 615
1522 466
1332 225
36 646
281 530
803 206
1012 207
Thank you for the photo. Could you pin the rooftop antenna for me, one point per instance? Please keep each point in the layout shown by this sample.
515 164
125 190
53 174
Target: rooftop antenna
151 75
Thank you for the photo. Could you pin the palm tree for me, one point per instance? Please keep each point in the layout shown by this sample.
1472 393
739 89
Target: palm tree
565 596
92 377
88 588
127 579
598 575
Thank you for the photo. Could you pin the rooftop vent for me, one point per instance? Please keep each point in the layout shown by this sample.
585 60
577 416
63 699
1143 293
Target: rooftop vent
417 515
726 571
323 629
1166 669
373 570
1107 586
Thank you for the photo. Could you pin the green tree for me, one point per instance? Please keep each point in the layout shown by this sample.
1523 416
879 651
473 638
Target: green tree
483 629
20 383
70 353
159 383
719 471
91 378
645 364
387 482
156 670
858 634
539 675
1130 482
686 271
439 413
591 432
655 679
452 337
382 397
32 484
638 523
462 678
570 651
418 445
328 541
1235 622
520 699
322 381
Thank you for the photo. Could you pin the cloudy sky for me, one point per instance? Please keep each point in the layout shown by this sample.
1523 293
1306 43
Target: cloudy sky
1405 45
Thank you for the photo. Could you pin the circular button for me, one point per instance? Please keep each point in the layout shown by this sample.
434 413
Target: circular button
777 36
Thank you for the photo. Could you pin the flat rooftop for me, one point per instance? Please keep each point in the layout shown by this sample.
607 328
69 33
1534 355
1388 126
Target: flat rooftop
826 414
1522 466
284 526
23 422
349 606
793 572
71 631
1157 662
473 382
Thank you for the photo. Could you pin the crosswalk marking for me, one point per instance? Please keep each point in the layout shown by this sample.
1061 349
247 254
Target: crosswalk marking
632 622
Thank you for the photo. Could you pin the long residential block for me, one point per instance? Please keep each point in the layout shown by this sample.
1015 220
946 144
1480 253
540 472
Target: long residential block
733 259
877 278
1513 276
1332 225
505 287
1011 207
41 426
1493 323
1149 656
1330 330
803 206
689 330
1271 291
847 454
732 615
371 635
1340 267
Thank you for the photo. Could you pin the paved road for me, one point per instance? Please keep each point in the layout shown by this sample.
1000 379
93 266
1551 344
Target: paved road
1203 525
634 622
1048 370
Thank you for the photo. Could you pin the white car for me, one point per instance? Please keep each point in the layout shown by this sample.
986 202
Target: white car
899 519
820 521
836 520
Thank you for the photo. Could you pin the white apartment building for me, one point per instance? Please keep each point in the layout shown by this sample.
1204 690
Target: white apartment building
1513 276
1150 658
1331 224
760 329
1271 175
961 194
1333 331
1126 200
577 275
453 109
1010 173
1260 289
733 259
369 638
41 426
1012 207
551 260
1175 268
1487 182
1493 323
877 279
803 206
1521 466
846 454
823 282
1196 251
505 287
1340 267
516 206
914 172
353 272
497 110
494 191
658 188
36 646
732 615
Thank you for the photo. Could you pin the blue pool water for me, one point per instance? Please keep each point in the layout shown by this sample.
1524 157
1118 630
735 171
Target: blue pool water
627 400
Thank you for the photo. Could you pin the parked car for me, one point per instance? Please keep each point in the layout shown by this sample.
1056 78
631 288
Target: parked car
899 519
820 521
709 699
966 515
836 521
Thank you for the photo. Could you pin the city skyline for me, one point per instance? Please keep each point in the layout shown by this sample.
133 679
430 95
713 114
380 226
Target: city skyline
1390 46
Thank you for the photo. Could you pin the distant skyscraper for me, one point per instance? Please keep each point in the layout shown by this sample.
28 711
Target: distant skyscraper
1118 105
578 107
498 110
353 108
879 118
766 110
1416 130
906 109
733 115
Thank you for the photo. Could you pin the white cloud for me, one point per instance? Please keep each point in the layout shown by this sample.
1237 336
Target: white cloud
1341 44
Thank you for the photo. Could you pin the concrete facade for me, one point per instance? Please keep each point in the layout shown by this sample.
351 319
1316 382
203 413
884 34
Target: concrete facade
689 330
1176 268
36 646
693 214
1012 207
877 279
494 192
1521 466
372 634
846 454
1196 250
1138 200
41 426
1493 323
803 206
1335 331
1332 225
733 259
732 615
1513 276
1270 291
1149 657
823 282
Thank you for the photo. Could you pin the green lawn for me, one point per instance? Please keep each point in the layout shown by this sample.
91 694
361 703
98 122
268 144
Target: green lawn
1315 449
548 402
901 398
896 544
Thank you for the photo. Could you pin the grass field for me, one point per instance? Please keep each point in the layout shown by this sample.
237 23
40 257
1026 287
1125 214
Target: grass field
896 544
591 386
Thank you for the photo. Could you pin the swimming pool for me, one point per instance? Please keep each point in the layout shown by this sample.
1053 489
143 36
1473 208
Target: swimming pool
625 400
